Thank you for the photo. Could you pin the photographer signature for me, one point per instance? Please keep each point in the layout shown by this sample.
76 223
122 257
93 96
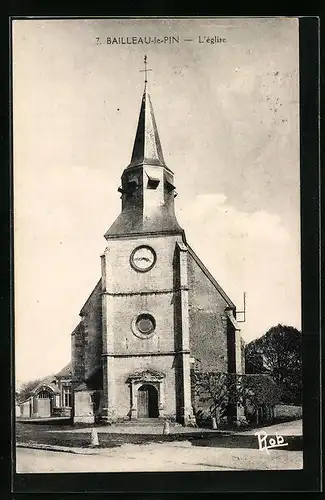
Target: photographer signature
266 443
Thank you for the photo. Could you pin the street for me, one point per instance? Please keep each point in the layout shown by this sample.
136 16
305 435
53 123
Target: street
170 456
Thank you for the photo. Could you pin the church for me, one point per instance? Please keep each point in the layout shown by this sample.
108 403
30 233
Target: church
156 312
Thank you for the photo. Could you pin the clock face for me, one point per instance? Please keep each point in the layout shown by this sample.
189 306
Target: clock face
143 258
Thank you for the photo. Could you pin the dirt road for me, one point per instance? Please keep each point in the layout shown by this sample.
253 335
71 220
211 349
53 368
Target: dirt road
173 456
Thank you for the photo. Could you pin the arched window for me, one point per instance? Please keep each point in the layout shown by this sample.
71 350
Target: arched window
44 395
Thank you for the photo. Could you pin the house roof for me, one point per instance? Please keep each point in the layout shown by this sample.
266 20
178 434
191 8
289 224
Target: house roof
65 372
48 381
83 309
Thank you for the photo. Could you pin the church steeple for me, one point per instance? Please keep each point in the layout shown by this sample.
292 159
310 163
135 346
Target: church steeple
147 147
147 184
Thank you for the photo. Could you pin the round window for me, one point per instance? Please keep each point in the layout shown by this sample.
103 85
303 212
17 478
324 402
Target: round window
144 325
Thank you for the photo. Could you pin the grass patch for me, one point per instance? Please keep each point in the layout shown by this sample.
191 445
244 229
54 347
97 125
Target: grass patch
44 434
39 433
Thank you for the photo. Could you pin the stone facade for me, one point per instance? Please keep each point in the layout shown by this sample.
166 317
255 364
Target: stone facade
209 330
156 309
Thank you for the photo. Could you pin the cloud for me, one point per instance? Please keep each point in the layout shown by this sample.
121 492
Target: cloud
251 252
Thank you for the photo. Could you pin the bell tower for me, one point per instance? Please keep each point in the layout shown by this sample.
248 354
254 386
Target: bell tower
147 184
145 324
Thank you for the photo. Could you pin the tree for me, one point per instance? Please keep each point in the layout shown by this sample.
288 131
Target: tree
27 388
278 353
259 392
214 392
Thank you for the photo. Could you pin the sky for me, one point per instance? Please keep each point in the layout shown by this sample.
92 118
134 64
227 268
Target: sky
228 119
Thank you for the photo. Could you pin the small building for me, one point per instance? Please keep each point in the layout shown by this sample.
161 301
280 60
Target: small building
51 397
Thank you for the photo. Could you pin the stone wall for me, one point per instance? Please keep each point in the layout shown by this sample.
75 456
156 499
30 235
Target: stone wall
83 408
91 315
86 339
208 321
26 409
123 367
118 275
287 411
125 311
78 354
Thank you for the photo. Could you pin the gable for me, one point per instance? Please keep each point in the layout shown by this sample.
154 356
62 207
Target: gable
92 297
209 277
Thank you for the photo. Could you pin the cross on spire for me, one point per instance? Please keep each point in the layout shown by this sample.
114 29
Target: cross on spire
145 70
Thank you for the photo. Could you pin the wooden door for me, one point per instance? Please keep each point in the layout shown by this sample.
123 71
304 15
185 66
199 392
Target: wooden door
147 402
44 407
143 402
44 404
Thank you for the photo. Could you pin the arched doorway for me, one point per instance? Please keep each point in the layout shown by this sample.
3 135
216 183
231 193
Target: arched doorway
147 401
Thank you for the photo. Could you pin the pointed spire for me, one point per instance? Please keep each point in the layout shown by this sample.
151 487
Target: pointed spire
147 184
147 147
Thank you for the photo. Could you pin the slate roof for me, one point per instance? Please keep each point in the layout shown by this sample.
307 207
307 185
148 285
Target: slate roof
65 372
96 289
147 147
131 221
